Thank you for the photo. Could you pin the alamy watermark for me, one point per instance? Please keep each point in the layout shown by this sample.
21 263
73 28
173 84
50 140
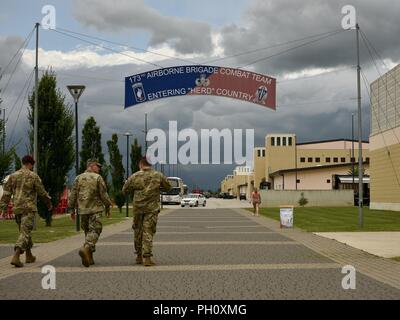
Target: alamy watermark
49 280
349 20
188 153
349 281
49 19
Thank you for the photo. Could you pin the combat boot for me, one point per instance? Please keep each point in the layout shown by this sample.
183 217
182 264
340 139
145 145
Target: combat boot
139 259
91 261
148 262
15 259
29 258
84 253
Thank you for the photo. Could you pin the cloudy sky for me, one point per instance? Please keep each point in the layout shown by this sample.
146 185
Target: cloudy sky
316 87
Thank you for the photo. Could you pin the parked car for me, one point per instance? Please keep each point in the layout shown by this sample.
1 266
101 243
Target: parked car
193 200
242 196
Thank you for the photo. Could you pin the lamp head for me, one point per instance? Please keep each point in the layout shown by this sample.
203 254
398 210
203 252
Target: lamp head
76 91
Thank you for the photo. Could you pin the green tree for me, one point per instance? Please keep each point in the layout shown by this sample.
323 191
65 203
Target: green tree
6 156
117 171
136 154
91 143
6 163
55 138
92 148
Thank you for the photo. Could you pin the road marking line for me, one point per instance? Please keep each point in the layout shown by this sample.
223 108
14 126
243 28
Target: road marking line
178 227
208 232
250 226
163 268
204 221
180 243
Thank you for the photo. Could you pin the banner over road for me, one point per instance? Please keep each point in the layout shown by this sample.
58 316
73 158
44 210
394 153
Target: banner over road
200 80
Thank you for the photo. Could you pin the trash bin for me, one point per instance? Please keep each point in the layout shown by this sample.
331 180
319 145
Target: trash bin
286 216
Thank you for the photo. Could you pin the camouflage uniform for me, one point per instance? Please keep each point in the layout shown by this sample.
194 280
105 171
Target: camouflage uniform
89 194
145 186
24 185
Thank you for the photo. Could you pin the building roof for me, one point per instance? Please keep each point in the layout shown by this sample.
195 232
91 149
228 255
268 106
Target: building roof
279 172
333 140
394 69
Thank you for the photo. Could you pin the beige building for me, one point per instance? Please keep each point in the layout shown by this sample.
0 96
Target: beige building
385 141
324 177
284 164
239 182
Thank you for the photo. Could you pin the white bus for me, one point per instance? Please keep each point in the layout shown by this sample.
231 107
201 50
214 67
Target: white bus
176 193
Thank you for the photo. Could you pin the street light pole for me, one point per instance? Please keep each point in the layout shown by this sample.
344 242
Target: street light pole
76 91
352 148
36 107
127 134
360 164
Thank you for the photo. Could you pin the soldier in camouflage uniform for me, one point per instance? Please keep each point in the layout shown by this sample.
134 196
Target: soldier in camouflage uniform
145 186
24 185
89 195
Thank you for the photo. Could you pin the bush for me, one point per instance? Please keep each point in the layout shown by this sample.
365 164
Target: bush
303 201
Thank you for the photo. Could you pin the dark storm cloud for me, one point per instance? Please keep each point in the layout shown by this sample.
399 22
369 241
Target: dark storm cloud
8 47
316 108
184 35
269 22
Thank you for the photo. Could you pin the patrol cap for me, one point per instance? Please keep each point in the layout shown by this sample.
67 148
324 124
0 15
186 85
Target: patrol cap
93 161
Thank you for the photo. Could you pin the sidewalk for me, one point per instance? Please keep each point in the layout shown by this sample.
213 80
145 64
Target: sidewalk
376 267
382 244
46 252
205 254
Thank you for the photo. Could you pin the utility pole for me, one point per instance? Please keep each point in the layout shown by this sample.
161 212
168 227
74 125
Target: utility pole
360 168
4 120
145 135
36 109
352 148
3 111
4 130
127 134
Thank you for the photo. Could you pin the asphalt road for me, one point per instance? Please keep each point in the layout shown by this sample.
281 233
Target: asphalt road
201 254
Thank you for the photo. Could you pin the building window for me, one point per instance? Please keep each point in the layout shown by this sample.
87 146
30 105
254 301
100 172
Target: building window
309 159
328 181
327 159
367 159
298 180
272 141
290 141
335 159
263 153
302 159
317 159
278 141
258 153
342 159
284 141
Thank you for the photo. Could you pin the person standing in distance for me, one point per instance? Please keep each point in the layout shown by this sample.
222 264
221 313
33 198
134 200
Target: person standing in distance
24 185
145 187
256 200
89 195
